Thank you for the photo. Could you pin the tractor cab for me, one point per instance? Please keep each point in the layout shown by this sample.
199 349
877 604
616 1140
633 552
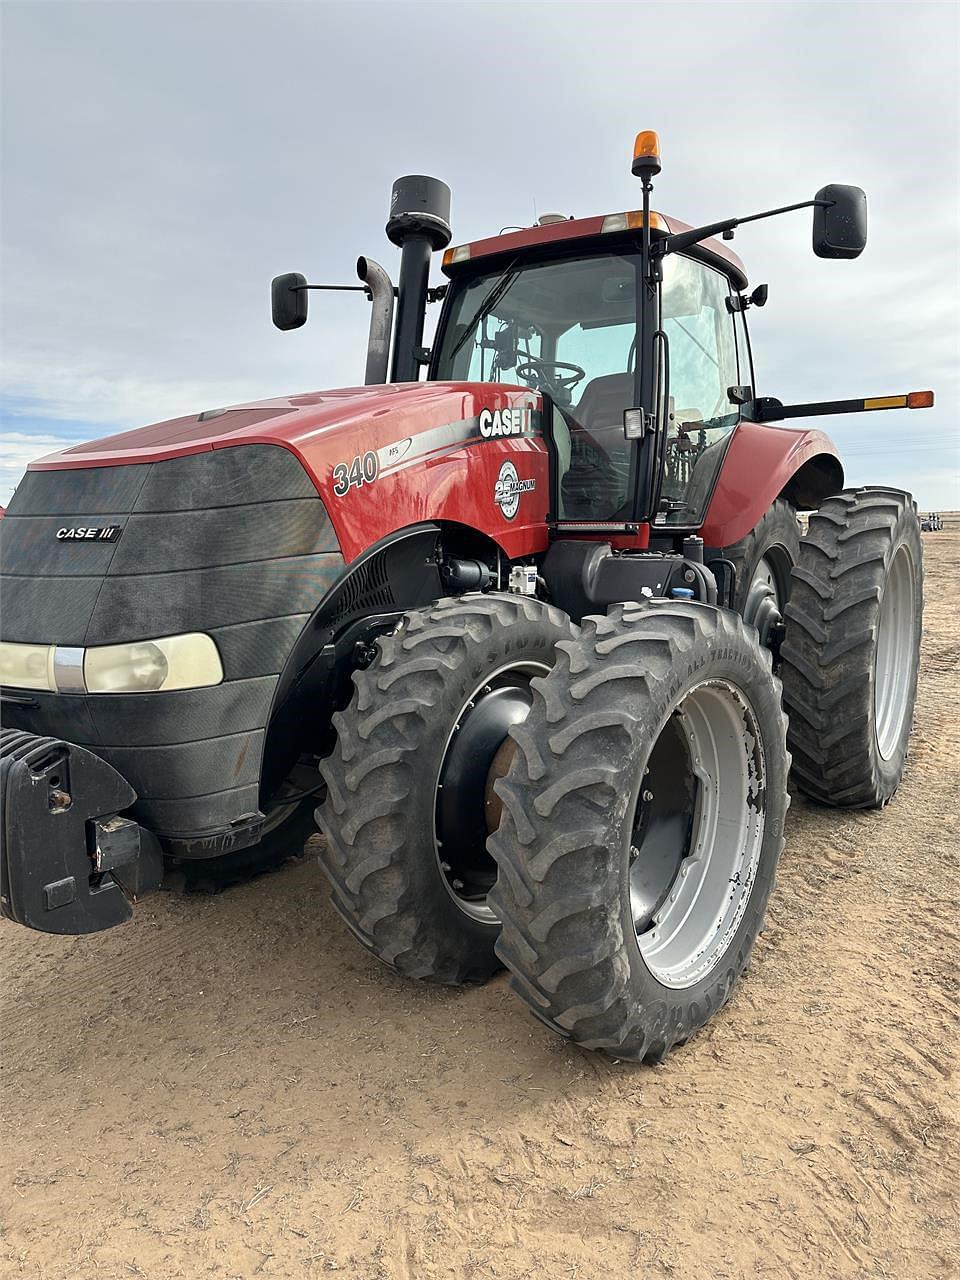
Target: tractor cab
630 327
562 318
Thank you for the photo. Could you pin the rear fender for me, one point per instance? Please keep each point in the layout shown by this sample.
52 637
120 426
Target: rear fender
764 463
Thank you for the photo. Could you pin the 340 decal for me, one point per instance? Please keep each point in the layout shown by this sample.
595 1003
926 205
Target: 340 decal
364 469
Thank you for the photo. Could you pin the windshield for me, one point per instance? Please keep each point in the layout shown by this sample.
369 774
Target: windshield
567 328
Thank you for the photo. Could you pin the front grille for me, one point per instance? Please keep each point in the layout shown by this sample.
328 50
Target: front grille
234 542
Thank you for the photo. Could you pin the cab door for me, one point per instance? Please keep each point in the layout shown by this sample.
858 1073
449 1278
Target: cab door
703 368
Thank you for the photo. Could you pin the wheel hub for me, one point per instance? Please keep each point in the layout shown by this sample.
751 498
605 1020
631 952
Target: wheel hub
661 834
765 602
467 809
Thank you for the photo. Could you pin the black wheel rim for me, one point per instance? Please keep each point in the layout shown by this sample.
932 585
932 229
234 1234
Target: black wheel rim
768 592
461 825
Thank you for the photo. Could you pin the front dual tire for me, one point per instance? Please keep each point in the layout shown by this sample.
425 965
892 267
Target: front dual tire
622 816
410 800
609 828
643 823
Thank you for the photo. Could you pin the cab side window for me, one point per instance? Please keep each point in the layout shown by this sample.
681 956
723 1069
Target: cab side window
703 366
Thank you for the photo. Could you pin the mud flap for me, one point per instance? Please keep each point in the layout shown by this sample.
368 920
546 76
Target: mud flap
68 862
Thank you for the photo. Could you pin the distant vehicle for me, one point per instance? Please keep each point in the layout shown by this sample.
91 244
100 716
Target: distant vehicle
932 522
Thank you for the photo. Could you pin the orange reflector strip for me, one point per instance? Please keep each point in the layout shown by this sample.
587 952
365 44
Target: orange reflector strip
886 402
920 400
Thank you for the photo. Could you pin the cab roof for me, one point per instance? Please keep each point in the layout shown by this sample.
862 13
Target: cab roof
616 225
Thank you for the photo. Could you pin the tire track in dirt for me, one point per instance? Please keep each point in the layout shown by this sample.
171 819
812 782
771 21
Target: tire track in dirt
230 1087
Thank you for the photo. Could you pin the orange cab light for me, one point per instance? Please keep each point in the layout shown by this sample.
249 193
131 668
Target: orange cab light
458 253
646 153
631 221
920 400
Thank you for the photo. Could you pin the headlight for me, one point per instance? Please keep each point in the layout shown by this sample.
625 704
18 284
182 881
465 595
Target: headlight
27 666
176 662
143 666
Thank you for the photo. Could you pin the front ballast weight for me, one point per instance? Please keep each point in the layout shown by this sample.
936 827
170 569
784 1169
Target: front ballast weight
69 861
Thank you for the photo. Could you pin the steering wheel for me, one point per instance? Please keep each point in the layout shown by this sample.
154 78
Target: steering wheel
545 382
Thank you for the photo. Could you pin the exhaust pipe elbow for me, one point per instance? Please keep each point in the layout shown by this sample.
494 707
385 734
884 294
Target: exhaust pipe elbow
381 319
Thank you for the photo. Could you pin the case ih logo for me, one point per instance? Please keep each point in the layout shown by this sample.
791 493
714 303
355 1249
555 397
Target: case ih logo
505 422
110 533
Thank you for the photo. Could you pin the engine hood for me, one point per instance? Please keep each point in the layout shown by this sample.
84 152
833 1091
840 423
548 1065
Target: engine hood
381 457
299 422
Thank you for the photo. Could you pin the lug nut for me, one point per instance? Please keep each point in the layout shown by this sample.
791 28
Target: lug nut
648 796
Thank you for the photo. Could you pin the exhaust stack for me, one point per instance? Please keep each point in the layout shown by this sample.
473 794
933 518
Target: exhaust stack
419 223
381 319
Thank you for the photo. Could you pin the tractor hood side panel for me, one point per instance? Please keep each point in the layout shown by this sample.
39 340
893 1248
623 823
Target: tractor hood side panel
465 453
240 525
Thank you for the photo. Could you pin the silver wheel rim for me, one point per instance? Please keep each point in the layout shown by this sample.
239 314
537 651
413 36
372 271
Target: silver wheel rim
689 932
475 906
893 667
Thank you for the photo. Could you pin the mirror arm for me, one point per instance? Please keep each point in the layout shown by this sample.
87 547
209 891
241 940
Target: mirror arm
338 288
684 239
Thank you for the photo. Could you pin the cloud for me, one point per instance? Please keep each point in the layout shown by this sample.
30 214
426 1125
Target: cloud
162 162
19 448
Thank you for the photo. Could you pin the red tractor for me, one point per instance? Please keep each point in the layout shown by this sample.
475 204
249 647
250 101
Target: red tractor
528 617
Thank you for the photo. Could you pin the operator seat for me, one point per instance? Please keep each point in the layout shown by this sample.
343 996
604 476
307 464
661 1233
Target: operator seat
603 402
596 483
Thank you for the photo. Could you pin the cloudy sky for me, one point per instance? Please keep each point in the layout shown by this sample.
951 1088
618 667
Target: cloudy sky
163 160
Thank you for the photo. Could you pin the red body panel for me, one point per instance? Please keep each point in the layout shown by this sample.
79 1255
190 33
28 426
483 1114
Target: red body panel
759 462
425 473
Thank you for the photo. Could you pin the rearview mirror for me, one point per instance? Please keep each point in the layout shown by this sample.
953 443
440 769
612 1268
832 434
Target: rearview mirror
840 223
288 297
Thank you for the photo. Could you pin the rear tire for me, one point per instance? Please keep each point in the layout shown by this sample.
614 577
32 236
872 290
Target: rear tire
643 824
405 855
852 648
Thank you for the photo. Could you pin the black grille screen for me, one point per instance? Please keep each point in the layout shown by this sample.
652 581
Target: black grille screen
234 542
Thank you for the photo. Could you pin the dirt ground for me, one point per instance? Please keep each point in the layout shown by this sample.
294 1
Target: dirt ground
229 1087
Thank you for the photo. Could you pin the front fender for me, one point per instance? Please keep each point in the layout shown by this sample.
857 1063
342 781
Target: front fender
761 464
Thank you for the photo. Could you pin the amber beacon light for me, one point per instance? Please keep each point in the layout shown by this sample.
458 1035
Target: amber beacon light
646 154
